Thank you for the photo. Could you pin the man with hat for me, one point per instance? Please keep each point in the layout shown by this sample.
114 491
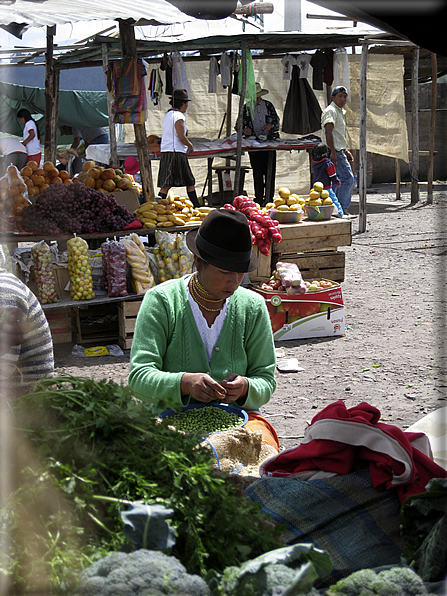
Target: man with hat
263 122
203 338
333 127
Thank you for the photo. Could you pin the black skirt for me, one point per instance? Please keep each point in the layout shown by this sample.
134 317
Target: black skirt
174 170
302 112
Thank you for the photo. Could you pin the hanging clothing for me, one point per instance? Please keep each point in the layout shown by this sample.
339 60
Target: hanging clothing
303 61
250 85
288 61
328 72
318 62
179 78
302 112
225 69
125 80
341 68
212 75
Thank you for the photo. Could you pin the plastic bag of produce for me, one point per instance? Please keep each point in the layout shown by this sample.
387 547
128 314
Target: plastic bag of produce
43 271
13 194
114 268
142 278
79 269
290 277
174 259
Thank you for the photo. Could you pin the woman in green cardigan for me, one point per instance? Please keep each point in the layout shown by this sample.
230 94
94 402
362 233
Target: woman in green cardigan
203 337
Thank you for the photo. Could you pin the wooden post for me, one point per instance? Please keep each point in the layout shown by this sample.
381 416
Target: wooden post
362 140
431 141
129 50
55 114
228 130
49 150
415 127
237 174
112 134
397 168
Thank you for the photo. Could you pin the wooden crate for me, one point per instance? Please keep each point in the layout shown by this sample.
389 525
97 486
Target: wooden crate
312 245
127 317
61 326
317 264
90 331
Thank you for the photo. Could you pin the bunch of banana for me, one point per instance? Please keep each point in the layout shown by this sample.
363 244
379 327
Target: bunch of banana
137 258
171 211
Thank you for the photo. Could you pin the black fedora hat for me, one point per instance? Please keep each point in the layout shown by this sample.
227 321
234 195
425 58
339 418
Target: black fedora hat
224 240
181 94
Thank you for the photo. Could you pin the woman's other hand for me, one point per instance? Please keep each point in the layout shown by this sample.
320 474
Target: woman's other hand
202 387
235 387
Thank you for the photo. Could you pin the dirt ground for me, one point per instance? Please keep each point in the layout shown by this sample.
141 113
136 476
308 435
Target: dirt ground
393 353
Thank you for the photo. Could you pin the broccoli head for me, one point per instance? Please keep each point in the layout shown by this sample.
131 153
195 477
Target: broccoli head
141 572
396 581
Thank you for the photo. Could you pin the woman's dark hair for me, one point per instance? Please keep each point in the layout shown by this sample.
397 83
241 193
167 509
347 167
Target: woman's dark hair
177 103
320 151
26 115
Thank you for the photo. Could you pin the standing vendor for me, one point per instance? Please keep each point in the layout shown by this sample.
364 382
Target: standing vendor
90 136
174 167
204 338
13 152
31 135
263 122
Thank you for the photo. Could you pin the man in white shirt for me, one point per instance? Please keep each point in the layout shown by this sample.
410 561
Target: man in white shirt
12 152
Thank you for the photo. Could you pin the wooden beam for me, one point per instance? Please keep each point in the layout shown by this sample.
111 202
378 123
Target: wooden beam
431 139
415 128
129 50
49 95
55 114
112 134
243 72
362 140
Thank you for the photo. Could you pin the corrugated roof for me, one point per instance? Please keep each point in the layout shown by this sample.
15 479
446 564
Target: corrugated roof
37 13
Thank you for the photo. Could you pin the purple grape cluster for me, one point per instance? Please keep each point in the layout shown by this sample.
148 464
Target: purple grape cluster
75 209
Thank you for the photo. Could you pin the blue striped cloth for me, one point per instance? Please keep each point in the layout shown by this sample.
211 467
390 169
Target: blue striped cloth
344 515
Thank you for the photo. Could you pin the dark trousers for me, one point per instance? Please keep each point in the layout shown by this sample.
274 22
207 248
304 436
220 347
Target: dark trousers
259 161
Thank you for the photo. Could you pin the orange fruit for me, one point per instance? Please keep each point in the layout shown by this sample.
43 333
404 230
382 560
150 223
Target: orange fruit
48 165
33 165
56 180
64 175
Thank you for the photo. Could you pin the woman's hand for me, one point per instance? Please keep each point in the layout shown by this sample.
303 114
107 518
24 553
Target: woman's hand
235 387
247 131
202 387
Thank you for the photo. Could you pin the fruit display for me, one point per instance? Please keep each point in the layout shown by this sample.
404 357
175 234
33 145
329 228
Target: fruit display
264 230
43 271
142 278
319 204
79 269
14 199
114 268
74 209
286 201
172 256
106 180
171 211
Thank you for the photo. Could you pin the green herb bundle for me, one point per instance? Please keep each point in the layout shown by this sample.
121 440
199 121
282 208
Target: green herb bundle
103 448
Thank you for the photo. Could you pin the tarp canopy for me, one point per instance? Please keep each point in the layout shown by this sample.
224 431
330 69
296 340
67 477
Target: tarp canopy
22 14
85 109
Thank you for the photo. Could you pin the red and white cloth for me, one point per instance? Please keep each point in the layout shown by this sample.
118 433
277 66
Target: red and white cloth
341 440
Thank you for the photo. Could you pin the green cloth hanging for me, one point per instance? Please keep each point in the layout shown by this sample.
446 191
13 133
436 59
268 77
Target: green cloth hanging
250 85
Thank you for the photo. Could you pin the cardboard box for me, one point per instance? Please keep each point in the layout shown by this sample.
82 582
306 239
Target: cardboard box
128 198
313 314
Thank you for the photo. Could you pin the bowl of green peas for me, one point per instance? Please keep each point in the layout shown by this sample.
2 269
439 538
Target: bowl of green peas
205 418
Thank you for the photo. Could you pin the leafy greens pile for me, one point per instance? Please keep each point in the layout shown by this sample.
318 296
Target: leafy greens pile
102 449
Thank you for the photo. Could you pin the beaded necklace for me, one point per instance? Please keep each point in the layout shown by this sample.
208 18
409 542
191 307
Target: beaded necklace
199 294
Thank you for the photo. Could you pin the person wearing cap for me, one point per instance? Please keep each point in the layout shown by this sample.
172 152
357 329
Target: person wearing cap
333 127
203 338
263 123
174 167
132 167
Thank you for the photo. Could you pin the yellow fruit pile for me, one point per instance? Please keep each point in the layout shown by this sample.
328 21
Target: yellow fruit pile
286 201
318 196
172 211
106 179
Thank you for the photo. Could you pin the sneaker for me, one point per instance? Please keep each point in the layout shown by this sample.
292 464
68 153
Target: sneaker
346 216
